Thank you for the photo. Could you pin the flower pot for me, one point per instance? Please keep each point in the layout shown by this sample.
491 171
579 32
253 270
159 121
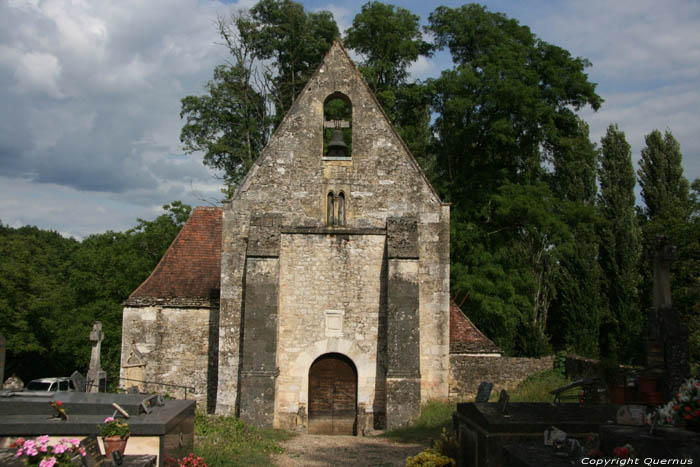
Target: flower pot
114 443
617 394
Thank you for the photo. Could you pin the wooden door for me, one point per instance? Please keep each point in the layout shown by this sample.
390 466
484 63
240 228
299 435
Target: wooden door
332 395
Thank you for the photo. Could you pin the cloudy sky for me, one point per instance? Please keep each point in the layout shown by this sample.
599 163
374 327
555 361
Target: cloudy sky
90 93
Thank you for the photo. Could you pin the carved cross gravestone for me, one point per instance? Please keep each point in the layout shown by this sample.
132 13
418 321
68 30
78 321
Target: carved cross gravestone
96 376
667 338
2 358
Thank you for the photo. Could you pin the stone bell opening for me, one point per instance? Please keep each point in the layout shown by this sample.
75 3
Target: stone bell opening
333 395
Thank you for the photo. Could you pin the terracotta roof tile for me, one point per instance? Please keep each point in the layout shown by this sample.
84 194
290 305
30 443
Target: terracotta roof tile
465 337
191 268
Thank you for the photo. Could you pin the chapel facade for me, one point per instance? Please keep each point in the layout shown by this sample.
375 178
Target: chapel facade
317 298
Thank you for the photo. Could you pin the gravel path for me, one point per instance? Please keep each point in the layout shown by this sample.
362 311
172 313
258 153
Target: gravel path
319 450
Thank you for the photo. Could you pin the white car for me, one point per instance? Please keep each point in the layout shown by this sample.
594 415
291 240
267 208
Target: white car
50 384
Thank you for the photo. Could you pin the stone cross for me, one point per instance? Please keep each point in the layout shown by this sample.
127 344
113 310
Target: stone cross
2 358
667 338
95 374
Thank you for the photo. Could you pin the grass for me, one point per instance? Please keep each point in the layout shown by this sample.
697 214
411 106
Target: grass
227 441
436 415
536 387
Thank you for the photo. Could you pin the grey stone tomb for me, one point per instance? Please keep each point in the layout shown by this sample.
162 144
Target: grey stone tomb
97 378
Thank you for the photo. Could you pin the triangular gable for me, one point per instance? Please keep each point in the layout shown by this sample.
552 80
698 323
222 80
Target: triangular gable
336 50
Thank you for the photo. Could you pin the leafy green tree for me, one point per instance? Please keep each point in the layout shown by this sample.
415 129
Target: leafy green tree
389 40
52 289
273 51
671 211
231 123
505 112
294 40
665 190
575 307
620 251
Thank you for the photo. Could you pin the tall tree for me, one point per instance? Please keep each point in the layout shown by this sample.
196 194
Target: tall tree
389 40
231 123
505 113
664 188
671 211
620 251
575 308
273 51
294 40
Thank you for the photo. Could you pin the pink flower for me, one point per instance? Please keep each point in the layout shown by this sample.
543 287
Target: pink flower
81 450
59 403
109 419
75 442
43 439
60 448
47 462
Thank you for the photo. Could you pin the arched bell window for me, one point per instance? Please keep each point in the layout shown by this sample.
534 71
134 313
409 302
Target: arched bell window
337 126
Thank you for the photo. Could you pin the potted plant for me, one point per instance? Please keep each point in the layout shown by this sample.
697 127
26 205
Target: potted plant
115 434
39 452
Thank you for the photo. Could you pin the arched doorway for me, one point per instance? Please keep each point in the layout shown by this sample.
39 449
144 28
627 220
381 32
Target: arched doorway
332 395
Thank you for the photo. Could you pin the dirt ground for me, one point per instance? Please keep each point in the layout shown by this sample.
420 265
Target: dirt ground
320 450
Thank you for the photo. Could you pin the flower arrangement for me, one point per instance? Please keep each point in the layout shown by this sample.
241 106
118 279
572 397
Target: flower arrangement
60 411
684 407
190 461
38 452
113 427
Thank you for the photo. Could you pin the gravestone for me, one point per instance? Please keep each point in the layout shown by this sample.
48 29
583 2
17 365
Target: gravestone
484 392
2 357
78 381
97 378
503 401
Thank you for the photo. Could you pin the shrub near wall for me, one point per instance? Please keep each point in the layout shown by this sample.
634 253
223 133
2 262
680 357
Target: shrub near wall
467 372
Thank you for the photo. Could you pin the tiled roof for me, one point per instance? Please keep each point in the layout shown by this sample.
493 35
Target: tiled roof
191 268
465 337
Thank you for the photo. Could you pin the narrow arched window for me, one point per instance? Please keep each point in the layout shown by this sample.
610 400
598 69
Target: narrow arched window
341 208
337 126
329 209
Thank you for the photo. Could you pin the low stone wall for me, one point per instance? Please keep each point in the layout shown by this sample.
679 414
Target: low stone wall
466 372
581 367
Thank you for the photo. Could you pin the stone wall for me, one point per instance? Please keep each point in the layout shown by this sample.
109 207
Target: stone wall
466 372
330 287
175 345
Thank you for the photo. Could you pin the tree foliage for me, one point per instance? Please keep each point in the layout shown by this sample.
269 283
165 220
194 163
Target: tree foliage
389 40
54 288
620 250
504 117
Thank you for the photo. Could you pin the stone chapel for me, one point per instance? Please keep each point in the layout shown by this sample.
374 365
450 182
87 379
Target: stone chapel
317 298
